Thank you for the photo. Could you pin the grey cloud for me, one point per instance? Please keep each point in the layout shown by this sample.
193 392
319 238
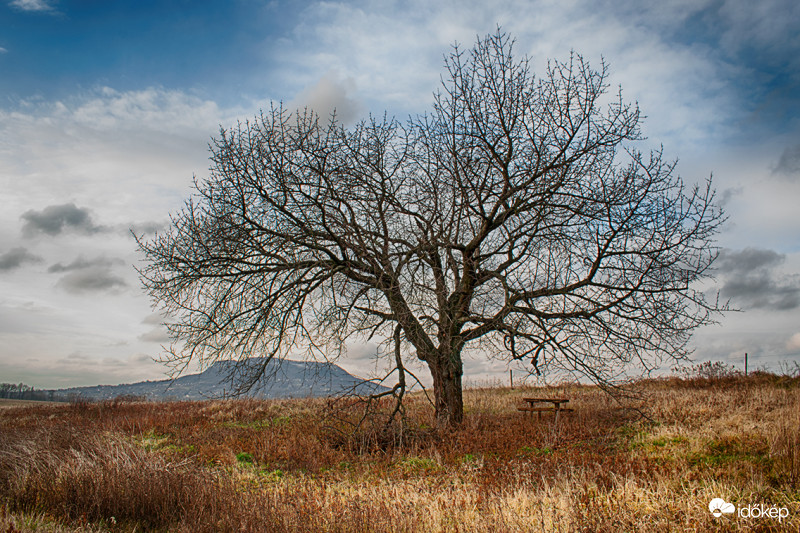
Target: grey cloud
750 280
763 292
747 260
92 279
158 335
16 257
328 95
146 228
155 319
729 194
141 358
55 219
80 264
75 360
789 162
89 275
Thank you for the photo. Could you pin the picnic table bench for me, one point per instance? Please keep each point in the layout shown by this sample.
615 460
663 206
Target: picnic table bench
539 405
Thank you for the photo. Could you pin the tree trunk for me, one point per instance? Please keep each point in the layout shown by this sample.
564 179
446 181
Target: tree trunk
447 392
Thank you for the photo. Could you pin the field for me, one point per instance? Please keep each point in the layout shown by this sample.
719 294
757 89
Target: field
6 403
651 463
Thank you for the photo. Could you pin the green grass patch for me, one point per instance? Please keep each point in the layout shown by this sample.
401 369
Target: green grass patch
261 424
244 458
418 464
532 450
153 441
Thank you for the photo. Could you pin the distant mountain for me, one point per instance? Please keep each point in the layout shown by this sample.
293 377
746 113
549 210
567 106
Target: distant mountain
281 379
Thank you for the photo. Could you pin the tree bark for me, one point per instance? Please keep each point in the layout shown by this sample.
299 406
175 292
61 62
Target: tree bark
448 398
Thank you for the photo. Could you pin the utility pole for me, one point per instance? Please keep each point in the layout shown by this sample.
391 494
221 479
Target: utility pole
511 378
745 363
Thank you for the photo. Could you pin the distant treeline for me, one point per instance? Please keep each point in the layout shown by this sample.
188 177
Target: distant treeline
21 391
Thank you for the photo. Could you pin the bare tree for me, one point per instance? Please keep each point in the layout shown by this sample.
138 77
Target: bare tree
517 219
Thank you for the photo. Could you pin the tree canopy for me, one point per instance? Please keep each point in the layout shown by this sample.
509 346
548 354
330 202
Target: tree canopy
516 218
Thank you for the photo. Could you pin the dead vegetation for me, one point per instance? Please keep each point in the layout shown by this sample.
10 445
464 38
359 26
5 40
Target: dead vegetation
249 465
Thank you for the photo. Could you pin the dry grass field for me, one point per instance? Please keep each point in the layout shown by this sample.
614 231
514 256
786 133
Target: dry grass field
647 464
6 403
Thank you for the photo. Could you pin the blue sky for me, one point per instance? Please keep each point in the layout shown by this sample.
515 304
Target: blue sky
212 47
107 108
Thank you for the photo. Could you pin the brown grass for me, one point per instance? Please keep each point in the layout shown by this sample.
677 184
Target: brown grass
249 465
6 403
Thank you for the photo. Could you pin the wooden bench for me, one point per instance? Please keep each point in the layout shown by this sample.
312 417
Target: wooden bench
534 407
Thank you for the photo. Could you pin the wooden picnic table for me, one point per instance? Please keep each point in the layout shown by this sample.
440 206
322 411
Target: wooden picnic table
535 407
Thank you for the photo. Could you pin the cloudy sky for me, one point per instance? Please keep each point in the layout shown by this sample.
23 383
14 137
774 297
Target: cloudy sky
107 108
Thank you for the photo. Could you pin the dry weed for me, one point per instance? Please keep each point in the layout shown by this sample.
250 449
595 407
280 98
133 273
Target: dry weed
248 465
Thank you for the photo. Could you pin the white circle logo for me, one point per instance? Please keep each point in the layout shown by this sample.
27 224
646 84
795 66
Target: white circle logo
718 506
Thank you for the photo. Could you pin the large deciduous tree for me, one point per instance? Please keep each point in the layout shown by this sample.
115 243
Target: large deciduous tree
517 218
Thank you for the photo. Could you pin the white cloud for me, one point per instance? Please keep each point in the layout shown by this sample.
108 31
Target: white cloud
32 5
793 344
3 50
123 157
128 156
395 55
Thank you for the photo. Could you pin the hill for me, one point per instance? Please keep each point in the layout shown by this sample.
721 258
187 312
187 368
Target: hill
281 379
